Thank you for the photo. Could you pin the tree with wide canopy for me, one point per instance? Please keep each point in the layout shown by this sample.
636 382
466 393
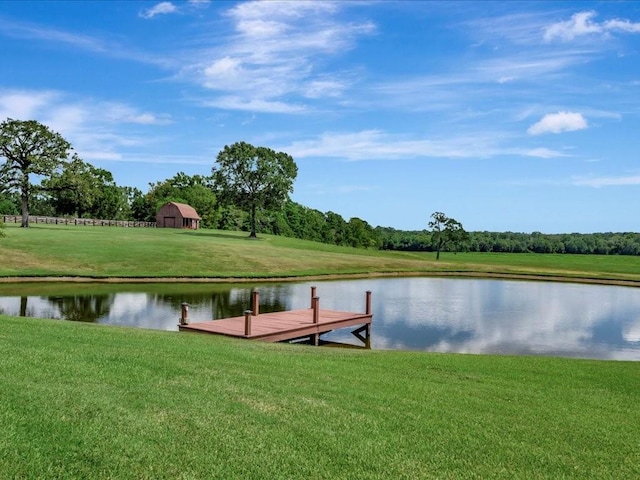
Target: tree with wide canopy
30 150
253 178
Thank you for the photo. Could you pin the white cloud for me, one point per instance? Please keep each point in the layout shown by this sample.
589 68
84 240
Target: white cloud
121 113
543 153
223 73
93 155
161 8
583 24
558 123
598 182
377 145
24 105
254 105
622 26
97 130
273 60
324 88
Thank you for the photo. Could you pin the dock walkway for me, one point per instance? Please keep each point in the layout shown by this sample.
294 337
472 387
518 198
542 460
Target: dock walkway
288 325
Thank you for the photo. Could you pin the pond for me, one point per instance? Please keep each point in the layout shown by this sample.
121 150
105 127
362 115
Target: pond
426 314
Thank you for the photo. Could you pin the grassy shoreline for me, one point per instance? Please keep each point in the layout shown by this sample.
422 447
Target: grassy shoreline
234 280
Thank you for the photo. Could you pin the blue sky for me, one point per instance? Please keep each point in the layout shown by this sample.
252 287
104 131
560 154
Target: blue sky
508 116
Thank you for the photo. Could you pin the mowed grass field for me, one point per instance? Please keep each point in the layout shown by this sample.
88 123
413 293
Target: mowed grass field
90 401
80 251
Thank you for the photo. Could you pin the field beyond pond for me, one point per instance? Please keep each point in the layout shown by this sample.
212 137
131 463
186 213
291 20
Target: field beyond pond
112 252
89 401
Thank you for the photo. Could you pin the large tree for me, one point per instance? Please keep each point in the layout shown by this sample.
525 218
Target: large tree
30 150
445 231
254 178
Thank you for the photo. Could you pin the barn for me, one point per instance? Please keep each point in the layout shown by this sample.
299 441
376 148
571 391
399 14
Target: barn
177 215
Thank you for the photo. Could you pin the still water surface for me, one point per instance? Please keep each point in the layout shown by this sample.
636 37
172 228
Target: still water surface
428 314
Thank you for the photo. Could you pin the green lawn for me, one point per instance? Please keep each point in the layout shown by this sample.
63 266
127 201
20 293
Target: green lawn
57 250
90 401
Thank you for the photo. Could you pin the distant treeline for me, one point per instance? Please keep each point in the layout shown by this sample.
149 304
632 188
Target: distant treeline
295 220
511 242
101 198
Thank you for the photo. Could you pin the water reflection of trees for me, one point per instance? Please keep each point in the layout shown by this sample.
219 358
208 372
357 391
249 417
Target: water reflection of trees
228 303
82 308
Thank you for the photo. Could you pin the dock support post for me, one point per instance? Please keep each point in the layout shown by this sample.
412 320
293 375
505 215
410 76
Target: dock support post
247 322
256 303
313 295
315 303
366 339
368 303
184 314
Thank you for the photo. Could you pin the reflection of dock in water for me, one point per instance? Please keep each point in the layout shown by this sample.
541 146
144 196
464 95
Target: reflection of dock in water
290 325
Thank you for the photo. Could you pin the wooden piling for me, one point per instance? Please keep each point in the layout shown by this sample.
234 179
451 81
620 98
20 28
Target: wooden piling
184 314
316 309
313 295
256 303
247 322
368 303
315 337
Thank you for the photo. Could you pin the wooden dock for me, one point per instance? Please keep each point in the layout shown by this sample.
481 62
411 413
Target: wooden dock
290 325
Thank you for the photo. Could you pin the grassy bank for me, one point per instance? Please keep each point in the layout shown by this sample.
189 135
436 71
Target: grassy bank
88 401
56 250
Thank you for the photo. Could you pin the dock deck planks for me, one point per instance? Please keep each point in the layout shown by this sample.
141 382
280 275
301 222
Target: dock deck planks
282 326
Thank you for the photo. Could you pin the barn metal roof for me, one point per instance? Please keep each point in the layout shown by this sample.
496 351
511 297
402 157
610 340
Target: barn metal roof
187 211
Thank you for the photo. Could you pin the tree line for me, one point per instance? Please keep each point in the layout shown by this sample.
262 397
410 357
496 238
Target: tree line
248 189
512 242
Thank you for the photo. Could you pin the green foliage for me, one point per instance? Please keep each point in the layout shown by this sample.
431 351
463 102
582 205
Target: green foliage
84 191
446 231
297 221
30 149
253 178
2 234
9 203
509 242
